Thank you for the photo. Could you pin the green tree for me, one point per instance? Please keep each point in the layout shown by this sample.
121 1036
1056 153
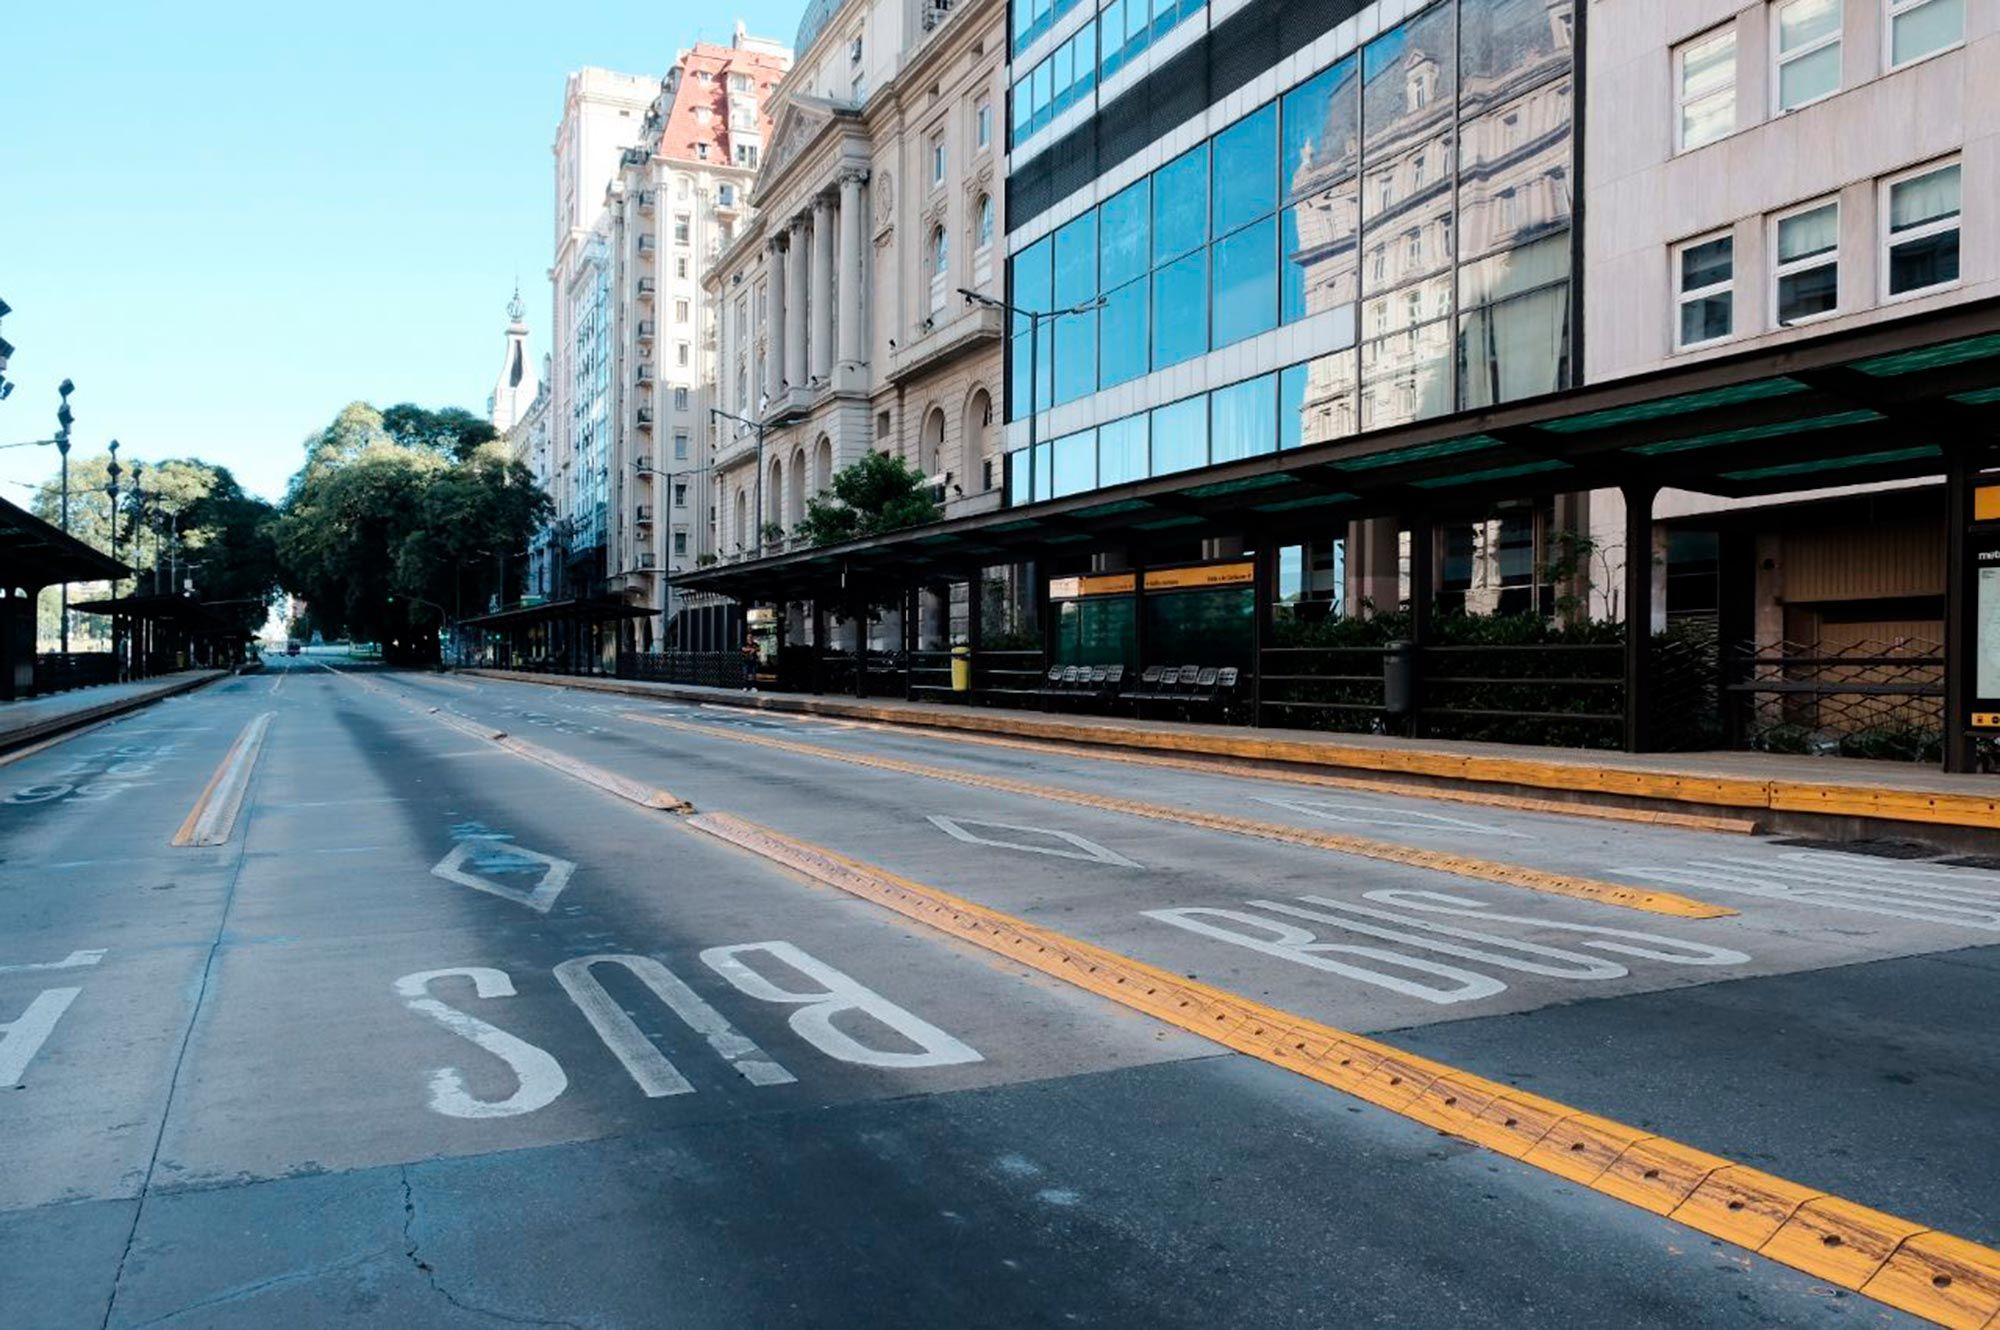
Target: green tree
878 494
397 515
195 517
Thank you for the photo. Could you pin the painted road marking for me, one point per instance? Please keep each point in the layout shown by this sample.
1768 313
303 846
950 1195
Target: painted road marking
539 1078
23 1037
480 854
1288 942
213 816
98 775
76 960
655 1076
1960 897
835 995
1079 847
1561 884
1903 1265
1378 815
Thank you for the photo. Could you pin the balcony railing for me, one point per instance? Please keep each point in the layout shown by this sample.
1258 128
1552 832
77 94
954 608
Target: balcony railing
647 287
645 374
644 417
645 330
643 514
646 244
646 197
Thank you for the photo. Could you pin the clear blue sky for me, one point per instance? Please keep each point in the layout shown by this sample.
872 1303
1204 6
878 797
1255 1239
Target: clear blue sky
227 220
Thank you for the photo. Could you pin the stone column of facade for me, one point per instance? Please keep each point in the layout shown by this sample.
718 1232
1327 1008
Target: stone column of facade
795 310
853 258
820 341
774 321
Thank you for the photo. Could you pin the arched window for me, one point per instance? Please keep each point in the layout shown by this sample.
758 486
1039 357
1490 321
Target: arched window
823 466
743 537
972 439
940 257
930 448
982 241
798 494
774 494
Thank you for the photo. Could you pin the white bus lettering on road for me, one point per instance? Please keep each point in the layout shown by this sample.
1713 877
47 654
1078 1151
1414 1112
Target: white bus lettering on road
837 993
648 1067
1303 947
76 960
23 1037
1389 816
1069 845
540 1077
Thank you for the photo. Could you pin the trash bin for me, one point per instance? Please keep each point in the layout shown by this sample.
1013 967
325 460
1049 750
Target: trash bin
1399 678
961 669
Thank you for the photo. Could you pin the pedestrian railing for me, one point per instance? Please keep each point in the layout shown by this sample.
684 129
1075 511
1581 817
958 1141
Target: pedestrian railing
1874 698
57 672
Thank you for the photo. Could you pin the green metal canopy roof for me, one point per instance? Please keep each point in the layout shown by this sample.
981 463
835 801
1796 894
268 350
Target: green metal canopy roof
1875 403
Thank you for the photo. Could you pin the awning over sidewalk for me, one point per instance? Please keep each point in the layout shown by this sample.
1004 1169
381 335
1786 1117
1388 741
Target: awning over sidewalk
1878 403
596 609
184 612
35 554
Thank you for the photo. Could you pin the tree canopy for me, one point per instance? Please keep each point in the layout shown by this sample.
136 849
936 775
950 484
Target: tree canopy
877 494
417 505
194 518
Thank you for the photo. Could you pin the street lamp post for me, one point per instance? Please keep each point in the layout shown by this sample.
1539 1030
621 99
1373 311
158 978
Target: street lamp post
758 425
111 489
1035 319
64 419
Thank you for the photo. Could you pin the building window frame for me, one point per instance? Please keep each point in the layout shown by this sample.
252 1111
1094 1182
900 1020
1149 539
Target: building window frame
982 123
1683 102
1896 9
1781 57
1781 269
939 162
1685 295
1891 239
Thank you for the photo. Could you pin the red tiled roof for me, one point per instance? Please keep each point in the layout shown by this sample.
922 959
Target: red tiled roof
684 131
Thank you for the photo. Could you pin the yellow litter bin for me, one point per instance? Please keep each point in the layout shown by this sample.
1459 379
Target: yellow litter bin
961 669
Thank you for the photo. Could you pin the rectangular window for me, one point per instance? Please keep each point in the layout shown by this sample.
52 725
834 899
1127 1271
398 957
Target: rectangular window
1243 420
1705 82
1244 157
680 445
1180 294
1123 334
1074 464
1918 28
680 496
680 399
1245 288
1121 451
1705 271
982 122
1808 263
1180 436
1180 205
1124 235
680 311
937 160
1921 231
681 353
1806 51
681 228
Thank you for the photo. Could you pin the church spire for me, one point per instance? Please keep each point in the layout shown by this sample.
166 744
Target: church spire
514 391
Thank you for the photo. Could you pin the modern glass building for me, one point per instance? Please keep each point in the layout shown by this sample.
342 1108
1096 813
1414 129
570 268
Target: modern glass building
1283 226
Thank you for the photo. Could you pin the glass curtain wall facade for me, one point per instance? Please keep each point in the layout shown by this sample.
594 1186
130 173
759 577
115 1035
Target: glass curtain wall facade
590 397
1425 179
1112 39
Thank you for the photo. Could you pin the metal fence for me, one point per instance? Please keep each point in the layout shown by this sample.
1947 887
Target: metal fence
704 669
1879 699
57 672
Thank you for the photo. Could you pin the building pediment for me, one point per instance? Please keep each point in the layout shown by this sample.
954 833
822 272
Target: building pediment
799 124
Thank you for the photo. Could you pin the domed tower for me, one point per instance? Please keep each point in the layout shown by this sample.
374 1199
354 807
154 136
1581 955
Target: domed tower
514 391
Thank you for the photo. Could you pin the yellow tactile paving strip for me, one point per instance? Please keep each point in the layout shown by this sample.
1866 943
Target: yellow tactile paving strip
1930 1274
1844 799
1486 870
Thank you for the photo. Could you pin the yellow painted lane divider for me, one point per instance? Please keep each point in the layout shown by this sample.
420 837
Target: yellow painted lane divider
1478 798
1931 1274
646 796
213 817
1486 870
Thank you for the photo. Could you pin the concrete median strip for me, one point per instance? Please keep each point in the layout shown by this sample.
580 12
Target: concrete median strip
213 817
1485 870
1930 1274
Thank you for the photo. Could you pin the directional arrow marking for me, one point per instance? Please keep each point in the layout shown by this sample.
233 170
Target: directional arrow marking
474 858
1089 851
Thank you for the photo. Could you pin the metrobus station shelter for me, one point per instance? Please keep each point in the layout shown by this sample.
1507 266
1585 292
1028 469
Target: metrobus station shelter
1159 592
35 555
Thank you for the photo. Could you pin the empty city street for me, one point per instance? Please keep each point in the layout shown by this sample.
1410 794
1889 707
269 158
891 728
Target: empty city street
454 1006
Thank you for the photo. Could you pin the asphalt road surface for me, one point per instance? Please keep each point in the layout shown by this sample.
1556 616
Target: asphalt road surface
438 1034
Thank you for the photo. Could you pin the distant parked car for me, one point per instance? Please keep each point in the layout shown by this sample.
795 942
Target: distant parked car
291 648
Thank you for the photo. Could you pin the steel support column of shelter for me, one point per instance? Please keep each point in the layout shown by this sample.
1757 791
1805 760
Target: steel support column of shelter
1638 613
1960 635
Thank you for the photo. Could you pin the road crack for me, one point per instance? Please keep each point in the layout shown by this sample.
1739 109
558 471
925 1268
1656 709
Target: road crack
430 1274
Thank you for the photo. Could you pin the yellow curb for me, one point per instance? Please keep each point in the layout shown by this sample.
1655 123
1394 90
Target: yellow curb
1486 870
213 817
1934 1275
1477 798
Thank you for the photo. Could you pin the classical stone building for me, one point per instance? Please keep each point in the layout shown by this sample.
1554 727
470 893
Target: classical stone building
842 324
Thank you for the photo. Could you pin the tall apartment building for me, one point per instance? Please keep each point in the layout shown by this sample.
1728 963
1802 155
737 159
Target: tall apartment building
602 115
1769 174
680 199
843 327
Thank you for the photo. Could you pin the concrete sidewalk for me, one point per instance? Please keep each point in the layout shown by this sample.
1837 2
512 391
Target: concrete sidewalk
1843 798
34 719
